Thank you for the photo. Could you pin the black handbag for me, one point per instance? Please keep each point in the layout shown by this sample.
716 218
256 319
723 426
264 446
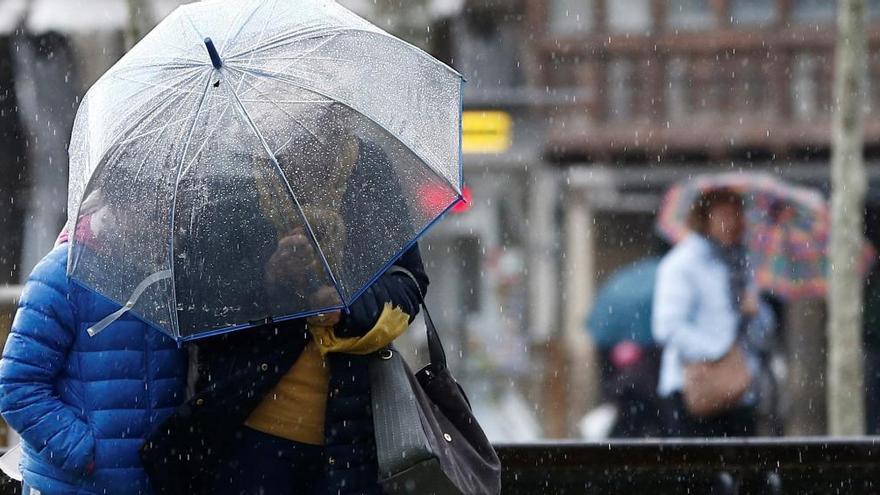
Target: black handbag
427 439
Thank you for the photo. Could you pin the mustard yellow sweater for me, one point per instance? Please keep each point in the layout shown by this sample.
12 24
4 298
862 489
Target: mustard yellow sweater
296 407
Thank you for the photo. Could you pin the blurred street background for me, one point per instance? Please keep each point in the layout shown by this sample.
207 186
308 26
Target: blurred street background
579 115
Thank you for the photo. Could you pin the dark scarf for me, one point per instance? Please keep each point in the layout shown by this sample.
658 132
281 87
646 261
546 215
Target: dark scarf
735 258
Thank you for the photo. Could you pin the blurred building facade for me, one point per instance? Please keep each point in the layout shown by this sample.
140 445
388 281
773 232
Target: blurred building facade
610 102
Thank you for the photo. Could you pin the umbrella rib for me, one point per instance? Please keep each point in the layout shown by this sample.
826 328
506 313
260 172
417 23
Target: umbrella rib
283 178
125 134
173 64
308 87
305 56
174 200
302 56
266 99
292 102
153 278
154 130
192 24
157 134
250 16
210 135
286 38
170 88
205 141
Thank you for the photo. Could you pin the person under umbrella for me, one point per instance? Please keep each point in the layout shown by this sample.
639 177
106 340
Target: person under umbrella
785 230
84 405
284 407
705 310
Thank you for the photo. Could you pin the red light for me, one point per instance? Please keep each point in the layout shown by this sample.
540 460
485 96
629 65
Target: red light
434 198
463 204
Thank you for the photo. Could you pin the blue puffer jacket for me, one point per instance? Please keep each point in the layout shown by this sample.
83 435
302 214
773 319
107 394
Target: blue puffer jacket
84 405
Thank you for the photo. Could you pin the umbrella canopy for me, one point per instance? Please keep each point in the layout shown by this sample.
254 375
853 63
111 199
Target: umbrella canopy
787 230
239 137
622 308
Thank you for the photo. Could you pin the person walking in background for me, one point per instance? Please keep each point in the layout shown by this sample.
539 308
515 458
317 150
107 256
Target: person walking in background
706 313
619 323
871 335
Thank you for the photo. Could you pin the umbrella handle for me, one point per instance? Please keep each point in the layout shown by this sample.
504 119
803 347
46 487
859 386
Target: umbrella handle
212 52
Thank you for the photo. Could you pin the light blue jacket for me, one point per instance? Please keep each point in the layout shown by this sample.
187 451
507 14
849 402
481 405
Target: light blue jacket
78 400
693 314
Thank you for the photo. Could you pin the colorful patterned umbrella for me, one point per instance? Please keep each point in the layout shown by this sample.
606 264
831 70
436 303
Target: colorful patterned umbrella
787 230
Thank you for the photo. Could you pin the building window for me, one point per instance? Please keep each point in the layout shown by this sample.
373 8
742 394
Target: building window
746 80
486 50
805 87
752 12
689 15
620 90
571 17
676 89
629 16
813 11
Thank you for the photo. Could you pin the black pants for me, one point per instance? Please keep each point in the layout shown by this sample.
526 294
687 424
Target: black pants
262 464
872 387
738 422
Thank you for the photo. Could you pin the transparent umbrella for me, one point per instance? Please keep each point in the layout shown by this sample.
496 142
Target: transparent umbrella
257 160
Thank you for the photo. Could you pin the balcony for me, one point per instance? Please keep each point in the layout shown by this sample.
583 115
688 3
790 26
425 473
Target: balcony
709 95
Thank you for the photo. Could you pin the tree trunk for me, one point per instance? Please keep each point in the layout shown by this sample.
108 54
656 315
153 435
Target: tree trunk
804 403
845 364
140 21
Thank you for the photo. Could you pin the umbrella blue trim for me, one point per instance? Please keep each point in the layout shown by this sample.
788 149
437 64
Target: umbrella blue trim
302 85
418 236
306 314
406 248
245 326
461 133
182 339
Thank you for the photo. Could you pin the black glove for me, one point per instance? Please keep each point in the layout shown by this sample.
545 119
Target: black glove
365 311
400 291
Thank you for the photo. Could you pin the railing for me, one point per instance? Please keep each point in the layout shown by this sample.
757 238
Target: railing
703 95
9 294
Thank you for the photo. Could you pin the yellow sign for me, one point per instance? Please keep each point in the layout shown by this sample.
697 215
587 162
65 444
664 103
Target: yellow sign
486 132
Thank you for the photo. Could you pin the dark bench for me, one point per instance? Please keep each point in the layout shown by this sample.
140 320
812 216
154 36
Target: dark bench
646 467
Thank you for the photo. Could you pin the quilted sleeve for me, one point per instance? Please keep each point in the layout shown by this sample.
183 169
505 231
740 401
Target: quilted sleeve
36 351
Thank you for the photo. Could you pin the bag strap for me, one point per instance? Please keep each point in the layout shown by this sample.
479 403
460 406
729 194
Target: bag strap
435 346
